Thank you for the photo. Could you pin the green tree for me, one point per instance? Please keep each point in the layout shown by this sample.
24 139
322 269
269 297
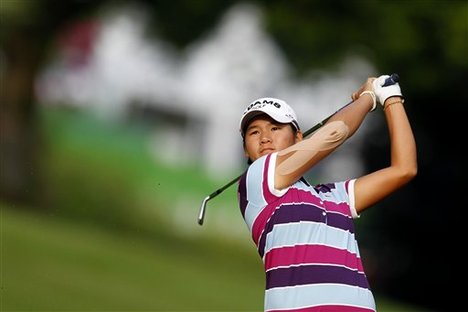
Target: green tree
27 30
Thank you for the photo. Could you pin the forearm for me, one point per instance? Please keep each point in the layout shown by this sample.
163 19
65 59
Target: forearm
295 160
375 186
402 142
353 114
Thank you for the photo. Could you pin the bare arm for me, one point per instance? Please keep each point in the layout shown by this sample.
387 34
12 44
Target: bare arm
375 186
305 154
353 115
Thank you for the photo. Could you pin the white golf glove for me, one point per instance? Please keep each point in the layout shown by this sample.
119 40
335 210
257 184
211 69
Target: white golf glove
383 93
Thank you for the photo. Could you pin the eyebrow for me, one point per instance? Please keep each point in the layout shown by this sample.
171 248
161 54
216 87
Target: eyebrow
270 123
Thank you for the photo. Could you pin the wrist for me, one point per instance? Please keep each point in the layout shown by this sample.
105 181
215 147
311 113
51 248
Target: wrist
372 95
393 100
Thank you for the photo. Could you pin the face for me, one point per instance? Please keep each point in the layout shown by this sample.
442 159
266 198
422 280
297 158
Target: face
264 135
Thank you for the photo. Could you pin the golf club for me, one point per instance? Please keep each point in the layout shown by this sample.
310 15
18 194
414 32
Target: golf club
394 78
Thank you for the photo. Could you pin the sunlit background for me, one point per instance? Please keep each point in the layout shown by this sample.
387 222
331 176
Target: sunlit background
119 117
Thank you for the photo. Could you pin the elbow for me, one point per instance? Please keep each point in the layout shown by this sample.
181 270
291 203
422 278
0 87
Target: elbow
408 173
414 170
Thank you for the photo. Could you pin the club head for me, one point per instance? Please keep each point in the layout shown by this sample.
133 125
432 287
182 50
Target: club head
201 214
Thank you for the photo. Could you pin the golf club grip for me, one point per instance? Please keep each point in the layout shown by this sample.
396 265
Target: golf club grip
394 78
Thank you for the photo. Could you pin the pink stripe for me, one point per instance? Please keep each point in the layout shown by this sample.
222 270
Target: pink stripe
266 191
310 198
347 186
326 308
311 254
260 222
342 207
263 217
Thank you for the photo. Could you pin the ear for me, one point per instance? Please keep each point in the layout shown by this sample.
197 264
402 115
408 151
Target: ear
299 137
249 161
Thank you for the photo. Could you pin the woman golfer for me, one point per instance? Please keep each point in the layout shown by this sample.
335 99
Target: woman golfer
304 233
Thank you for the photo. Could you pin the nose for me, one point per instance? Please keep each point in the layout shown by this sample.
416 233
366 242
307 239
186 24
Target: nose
265 139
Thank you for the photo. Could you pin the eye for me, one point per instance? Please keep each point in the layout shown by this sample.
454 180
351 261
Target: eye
275 128
252 132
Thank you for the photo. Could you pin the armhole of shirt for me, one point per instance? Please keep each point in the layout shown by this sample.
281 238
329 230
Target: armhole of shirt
352 204
271 177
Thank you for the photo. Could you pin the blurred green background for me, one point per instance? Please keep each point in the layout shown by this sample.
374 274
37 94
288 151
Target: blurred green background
96 217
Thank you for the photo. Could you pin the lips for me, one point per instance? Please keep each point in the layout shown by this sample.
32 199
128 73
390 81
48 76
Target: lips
268 150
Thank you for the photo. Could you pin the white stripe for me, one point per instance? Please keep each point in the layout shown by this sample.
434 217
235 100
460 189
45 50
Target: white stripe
256 201
254 183
315 264
352 204
318 294
271 177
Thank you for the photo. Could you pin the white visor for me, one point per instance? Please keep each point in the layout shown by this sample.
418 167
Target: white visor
277 109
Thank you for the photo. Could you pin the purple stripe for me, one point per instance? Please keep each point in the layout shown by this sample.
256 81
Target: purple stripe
314 274
287 214
262 240
242 189
304 212
340 221
325 188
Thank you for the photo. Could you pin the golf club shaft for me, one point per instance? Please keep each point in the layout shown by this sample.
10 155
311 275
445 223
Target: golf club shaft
394 78
201 214
220 190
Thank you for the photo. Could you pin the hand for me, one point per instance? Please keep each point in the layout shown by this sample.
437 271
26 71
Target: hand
383 93
366 88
